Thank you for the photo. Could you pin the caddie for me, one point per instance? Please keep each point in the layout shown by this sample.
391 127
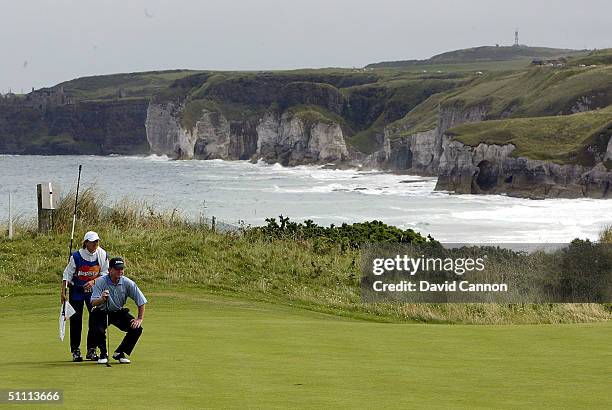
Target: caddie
108 298
85 266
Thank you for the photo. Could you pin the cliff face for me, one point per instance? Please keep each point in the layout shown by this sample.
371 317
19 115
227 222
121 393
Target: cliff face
420 153
292 140
164 133
489 169
608 157
216 138
91 127
286 138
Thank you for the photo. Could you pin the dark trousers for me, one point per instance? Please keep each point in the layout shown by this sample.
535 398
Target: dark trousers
122 320
76 325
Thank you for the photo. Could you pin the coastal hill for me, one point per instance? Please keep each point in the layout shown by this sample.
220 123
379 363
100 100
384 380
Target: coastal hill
485 53
396 118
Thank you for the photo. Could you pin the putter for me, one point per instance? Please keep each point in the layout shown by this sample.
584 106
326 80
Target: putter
107 338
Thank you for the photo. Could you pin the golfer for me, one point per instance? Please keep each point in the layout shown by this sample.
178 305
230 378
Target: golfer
109 296
85 266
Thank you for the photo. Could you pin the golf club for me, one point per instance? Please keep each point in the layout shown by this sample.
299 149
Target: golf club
107 338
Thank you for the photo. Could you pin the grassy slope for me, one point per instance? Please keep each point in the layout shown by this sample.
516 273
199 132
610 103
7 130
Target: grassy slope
559 139
484 54
603 56
423 117
399 93
143 84
315 275
524 93
200 350
538 91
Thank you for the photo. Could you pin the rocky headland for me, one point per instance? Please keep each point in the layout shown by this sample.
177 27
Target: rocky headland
544 131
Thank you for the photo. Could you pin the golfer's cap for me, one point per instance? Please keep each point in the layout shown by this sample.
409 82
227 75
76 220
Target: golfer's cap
91 236
116 263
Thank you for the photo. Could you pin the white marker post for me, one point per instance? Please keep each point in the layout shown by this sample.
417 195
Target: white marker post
10 217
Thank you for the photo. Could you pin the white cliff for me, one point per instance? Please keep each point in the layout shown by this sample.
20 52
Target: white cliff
287 138
164 131
290 140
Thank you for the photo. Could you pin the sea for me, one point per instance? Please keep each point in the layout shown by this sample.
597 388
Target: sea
245 193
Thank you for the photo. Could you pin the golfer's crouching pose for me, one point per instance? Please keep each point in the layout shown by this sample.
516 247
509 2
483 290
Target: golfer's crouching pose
108 298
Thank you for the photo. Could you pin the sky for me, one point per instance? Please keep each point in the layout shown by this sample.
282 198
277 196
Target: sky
44 42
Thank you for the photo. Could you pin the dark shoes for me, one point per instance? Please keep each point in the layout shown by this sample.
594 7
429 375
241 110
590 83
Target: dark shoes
76 355
120 357
91 354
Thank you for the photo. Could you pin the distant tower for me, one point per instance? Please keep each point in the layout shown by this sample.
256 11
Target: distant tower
516 42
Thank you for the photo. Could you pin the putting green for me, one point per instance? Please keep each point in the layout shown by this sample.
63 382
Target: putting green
202 350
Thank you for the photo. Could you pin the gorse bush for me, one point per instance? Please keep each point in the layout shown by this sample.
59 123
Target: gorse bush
346 235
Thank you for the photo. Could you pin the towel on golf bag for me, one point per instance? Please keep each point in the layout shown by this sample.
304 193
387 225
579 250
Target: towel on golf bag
66 310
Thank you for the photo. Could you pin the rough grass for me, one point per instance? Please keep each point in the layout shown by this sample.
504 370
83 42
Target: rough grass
163 250
143 84
312 113
595 57
424 117
561 139
606 235
482 54
539 91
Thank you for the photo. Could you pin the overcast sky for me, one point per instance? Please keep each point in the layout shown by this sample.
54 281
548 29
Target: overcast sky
46 42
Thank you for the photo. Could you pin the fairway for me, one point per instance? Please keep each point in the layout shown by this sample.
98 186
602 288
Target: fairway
203 350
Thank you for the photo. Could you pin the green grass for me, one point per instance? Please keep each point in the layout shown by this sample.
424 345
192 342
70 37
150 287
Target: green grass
560 139
603 56
240 320
311 114
446 68
313 274
485 54
201 350
423 117
142 84
538 91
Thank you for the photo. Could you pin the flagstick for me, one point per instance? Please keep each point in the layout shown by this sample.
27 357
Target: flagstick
76 203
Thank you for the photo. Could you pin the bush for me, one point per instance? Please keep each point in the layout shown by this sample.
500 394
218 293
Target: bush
345 235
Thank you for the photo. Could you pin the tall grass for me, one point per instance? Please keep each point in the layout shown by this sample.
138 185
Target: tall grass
605 235
123 214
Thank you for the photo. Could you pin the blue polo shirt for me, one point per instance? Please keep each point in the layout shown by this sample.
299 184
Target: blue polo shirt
118 293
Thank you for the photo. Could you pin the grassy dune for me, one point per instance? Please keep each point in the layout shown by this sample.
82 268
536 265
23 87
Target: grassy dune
315 274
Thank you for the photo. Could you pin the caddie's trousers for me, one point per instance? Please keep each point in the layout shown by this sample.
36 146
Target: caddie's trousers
76 325
122 320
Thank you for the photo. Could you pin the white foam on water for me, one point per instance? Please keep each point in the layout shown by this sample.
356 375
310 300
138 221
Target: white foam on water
157 158
235 190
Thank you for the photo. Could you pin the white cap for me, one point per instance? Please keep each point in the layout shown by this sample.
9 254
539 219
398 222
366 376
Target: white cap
91 236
